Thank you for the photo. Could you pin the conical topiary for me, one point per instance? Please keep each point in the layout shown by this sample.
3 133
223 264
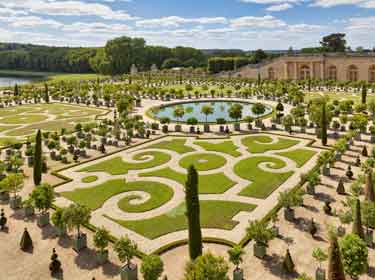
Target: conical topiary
357 223
335 267
349 172
364 151
288 263
3 220
313 228
55 265
340 187
358 161
26 242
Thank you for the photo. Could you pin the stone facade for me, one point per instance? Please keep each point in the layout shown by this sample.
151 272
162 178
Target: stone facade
340 67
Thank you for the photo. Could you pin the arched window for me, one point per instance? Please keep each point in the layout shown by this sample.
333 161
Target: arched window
353 73
271 73
371 74
332 73
304 73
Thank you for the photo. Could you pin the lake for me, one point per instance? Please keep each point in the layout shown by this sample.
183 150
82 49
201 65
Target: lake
11 81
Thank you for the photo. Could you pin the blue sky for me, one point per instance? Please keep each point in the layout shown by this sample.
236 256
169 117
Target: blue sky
245 24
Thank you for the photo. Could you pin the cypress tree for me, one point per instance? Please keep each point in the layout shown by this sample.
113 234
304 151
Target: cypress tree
38 161
369 188
340 187
364 94
46 95
288 263
357 223
16 91
193 213
324 124
335 266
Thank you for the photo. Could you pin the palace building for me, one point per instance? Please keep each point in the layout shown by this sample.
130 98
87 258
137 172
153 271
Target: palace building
328 66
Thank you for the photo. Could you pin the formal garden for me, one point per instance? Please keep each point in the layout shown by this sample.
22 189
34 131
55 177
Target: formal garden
136 174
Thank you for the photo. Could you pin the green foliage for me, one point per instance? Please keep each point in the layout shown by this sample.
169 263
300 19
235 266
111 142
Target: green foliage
319 255
357 224
55 265
101 238
193 213
42 197
290 199
152 267
235 255
288 263
260 232
12 183
58 218
38 161
207 267
335 266
368 214
354 254
125 249
77 215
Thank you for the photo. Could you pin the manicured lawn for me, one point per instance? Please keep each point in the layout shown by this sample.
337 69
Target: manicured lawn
23 119
116 166
208 184
262 183
177 145
261 143
226 147
203 161
214 214
300 156
89 179
95 197
4 128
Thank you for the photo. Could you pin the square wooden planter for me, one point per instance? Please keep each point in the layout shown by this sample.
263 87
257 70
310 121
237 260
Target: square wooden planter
15 202
129 272
80 242
43 219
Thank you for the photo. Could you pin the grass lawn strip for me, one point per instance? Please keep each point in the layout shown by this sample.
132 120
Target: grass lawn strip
226 147
95 197
262 183
177 145
214 214
203 161
208 184
89 179
264 145
116 166
299 156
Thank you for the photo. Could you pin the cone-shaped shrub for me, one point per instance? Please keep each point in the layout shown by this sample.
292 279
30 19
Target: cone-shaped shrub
335 266
55 265
288 263
357 223
26 242
3 220
364 151
340 187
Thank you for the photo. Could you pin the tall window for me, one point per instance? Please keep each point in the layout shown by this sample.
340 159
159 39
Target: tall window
304 73
353 73
271 73
332 73
371 74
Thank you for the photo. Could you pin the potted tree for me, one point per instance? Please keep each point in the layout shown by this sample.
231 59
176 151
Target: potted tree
320 256
101 240
288 200
59 222
75 216
235 112
262 234
313 179
368 219
126 250
43 197
28 208
13 183
207 110
235 257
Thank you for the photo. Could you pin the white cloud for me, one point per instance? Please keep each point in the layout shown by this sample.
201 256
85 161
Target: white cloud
175 21
29 21
68 8
333 3
280 7
257 22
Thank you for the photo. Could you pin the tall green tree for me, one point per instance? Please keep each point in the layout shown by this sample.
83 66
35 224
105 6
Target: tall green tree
324 124
335 266
367 168
364 94
46 93
357 223
38 159
193 213
334 43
